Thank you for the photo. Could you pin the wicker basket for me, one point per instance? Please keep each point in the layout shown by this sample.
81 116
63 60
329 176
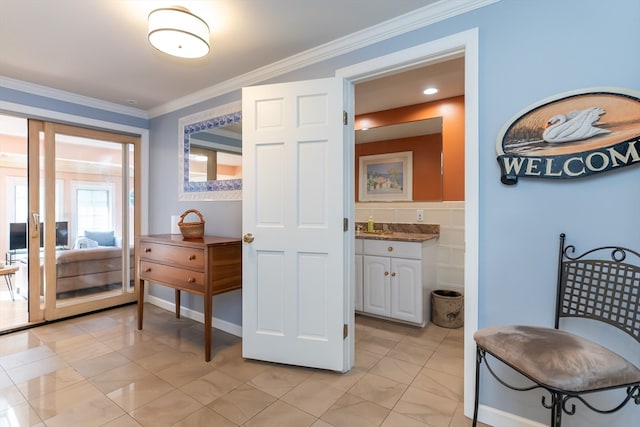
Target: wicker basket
191 230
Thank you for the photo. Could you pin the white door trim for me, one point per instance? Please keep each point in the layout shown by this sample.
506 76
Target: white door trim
460 44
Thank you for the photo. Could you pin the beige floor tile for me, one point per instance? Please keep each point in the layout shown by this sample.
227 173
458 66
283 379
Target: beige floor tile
105 362
119 377
186 371
204 417
123 421
242 403
398 420
426 407
446 363
50 382
410 352
352 411
21 415
313 396
36 369
94 412
396 370
278 380
103 366
281 414
383 391
208 388
62 401
459 420
21 358
18 341
166 410
440 383
140 392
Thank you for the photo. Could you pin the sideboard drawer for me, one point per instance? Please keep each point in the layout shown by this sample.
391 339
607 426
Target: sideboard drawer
180 278
176 255
392 248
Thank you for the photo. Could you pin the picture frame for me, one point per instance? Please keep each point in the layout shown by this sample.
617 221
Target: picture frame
386 177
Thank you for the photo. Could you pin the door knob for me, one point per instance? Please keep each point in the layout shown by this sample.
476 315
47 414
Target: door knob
247 238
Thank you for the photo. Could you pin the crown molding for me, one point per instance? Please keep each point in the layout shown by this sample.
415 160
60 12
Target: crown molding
71 97
436 12
402 24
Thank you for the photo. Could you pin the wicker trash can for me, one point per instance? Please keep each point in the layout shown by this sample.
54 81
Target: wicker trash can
447 308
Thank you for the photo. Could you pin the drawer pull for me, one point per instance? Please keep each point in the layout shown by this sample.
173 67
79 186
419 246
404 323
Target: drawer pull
390 249
147 250
192 257
191 280
147 270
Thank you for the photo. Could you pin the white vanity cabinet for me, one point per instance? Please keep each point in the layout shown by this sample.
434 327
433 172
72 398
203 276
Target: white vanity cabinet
396 279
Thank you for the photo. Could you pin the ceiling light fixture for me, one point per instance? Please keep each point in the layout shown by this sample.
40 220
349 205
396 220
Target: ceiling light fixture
430 91
178 32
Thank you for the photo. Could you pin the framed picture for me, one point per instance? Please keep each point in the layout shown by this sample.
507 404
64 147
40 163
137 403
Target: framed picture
386 177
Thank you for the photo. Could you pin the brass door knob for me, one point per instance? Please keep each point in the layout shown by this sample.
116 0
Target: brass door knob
247 238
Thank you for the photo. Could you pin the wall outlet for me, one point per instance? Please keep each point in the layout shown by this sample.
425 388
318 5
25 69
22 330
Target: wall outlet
420 215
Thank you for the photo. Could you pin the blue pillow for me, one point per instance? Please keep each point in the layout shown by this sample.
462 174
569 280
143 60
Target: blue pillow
104 238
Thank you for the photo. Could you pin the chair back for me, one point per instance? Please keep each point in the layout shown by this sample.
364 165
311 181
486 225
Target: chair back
601 284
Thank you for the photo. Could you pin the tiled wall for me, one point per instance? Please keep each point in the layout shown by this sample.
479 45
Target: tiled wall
450 217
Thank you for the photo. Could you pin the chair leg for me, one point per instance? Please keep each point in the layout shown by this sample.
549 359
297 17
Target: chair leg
556 410
477 391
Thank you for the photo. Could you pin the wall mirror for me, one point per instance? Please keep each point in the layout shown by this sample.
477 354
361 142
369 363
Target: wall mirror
210 154
421 138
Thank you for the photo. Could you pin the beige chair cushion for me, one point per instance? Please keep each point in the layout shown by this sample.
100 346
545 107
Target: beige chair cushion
557 358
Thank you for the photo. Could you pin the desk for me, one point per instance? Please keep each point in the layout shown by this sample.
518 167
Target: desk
8 271
208 266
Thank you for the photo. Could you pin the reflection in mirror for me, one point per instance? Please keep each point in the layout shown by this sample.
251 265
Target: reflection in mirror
423 138
216 154
210 154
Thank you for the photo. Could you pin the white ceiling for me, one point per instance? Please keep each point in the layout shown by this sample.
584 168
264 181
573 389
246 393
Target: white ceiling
99 48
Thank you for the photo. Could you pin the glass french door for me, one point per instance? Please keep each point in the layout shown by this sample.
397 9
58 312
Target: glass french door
82 219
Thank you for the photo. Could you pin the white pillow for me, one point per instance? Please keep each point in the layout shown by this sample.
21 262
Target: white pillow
85 243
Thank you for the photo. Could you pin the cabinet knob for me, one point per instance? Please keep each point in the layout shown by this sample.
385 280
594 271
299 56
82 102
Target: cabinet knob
390 249
147 250
386 273
148 269
191 280
192 257
393 274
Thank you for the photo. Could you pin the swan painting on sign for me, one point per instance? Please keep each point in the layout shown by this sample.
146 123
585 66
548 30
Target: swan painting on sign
572 135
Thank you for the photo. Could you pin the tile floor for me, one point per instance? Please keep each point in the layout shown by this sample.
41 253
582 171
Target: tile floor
99 370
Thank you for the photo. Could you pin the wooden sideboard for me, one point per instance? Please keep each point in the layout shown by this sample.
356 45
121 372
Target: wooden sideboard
207 266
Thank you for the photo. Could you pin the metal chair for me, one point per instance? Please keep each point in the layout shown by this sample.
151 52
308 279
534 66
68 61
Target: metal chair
601 284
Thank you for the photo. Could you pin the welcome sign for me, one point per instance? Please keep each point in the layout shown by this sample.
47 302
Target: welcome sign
572 135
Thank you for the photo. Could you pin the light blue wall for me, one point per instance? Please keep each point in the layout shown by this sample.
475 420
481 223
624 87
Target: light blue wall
529 50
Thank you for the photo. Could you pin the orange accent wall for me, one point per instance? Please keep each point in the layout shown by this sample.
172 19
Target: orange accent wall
426 161
452 112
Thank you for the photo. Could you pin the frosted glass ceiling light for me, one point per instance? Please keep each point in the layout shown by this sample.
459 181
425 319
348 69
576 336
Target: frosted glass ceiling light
178 32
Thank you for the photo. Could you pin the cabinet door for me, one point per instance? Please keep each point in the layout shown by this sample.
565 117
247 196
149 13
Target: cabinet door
358 293
376 274
406 290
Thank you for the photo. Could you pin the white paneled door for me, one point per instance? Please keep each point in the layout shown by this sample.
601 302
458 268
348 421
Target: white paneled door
293 299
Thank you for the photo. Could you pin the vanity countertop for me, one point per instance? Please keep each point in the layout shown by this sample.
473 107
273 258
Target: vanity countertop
396 235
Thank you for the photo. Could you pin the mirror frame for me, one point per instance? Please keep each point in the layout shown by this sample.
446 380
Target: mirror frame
230 189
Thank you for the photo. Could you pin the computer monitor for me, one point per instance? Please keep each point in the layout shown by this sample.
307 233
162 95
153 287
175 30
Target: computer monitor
18 235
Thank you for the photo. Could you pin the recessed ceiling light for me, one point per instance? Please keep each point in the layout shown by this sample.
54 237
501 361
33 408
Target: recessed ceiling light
430 91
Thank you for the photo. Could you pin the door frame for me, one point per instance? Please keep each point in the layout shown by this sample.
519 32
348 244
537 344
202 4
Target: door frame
460 44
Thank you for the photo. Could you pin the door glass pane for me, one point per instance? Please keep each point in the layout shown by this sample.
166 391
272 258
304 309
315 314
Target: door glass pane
93 261
13 232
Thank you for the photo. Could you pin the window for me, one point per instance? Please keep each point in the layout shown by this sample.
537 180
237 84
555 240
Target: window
93 207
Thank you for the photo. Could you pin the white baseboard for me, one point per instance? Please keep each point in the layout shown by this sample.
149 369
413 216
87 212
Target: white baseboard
223 325
496 417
